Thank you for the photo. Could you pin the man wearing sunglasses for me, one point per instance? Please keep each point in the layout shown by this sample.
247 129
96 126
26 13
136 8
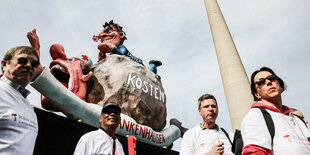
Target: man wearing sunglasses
286 135
18 122
103 140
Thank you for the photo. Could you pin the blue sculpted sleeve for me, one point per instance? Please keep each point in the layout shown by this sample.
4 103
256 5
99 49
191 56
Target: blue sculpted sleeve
121 50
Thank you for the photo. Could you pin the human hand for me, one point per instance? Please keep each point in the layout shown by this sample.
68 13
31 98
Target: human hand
217 149
110 46
101 55
39 70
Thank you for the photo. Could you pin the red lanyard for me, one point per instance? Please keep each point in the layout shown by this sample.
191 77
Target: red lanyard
307 145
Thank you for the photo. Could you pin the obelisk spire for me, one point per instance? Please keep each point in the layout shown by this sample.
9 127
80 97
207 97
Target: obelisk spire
234 78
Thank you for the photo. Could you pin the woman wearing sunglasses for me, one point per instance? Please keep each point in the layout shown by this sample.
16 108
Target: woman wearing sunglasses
290 134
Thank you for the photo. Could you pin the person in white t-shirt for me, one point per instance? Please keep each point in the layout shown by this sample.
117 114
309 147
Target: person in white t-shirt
18 122
290 133
297 113
103 140
206 138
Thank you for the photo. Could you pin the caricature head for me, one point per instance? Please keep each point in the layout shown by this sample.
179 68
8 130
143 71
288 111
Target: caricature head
112 34
74 73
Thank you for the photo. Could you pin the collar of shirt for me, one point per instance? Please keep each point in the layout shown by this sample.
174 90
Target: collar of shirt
16 86
203 128
107 133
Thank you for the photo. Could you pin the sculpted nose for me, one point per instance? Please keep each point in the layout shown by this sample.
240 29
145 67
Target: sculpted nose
101 34
57 51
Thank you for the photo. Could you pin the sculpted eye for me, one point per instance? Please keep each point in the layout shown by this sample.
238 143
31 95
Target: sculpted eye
71 59
110 31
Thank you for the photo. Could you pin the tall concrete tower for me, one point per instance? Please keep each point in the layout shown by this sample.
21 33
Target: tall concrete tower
234 78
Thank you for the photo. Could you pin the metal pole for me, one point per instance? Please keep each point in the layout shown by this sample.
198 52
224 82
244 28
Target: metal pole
235 82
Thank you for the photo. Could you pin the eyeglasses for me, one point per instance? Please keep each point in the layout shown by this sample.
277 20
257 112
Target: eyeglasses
262 81
111 110
24 61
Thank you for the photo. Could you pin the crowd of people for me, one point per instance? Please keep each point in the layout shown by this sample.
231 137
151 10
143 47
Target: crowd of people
19 126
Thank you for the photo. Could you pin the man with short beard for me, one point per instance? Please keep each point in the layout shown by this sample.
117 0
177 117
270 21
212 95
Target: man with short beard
18 122
206 138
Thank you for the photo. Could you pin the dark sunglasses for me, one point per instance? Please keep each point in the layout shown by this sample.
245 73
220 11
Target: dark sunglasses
261 81
24 61
111 110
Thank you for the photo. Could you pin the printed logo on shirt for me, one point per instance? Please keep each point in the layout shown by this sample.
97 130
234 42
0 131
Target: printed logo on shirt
288 138
14 116
202 144
27 123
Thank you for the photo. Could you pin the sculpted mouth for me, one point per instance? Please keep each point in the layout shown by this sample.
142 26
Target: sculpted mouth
106 39
61 74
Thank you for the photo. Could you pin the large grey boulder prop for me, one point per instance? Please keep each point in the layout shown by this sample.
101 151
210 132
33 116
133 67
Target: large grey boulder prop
137 90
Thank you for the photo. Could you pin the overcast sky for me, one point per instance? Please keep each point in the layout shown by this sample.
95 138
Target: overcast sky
266 33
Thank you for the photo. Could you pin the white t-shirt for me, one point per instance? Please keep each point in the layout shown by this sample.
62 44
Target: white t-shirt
18 122
199 140
98 142
254 131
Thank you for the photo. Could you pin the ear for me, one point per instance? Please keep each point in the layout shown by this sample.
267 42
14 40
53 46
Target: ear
282 89
257 95
3 65
199 110
120 119
122 35
100 118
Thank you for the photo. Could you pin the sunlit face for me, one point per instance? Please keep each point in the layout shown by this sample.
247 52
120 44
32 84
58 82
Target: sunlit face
110 119
110 35
208 110
269 89
19 73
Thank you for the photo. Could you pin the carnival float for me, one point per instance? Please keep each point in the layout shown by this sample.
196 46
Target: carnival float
78 88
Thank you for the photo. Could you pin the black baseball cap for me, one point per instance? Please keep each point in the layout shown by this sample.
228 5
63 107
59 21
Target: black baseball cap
111 105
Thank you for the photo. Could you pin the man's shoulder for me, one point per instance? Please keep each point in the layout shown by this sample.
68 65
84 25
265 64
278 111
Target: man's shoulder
254 113
2 84
94 134
192 131
195 128
6 88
